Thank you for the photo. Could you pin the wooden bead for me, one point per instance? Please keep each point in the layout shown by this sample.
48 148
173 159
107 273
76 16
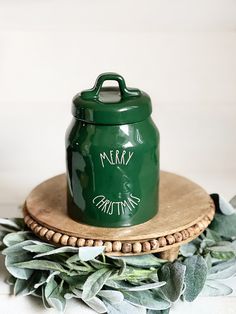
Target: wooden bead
80 242
43 231
191 231
49 234
72 241
29 222
162 241
154 244
185 234
108 246
170 239
196 229
146 246
200 225
33 225
116 246
56 238
205 223
178 237
126 247
37 229
98 243
26 219
137 247
64 239
89 242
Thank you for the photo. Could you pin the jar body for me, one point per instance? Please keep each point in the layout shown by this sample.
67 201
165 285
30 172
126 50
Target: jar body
112 172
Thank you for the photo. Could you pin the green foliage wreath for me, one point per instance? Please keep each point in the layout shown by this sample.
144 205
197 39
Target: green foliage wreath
121 284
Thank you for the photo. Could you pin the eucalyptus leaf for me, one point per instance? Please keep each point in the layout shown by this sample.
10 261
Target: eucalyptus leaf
95 282
195 277
215 288
87 253
146 299
173 274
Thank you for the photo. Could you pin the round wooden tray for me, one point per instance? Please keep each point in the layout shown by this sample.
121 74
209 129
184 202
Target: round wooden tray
185 211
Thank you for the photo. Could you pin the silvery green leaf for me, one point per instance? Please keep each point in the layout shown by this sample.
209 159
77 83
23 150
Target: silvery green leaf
16 271
223 270
233 202
119 284
88 253
188 249
64 249
208 261
120 262
69 296
222 255
147 286
16 249
173 274
41 265
39 248
43 279
111 296
225 207
96 304
124 308
195 276
215 288
53 296
9 224
17 237
11 280
26 287
98 264
167 311
3 233
143 261
146 299
212 235
225 225
95 282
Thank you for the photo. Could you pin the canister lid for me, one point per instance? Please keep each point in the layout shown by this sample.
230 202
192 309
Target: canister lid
111 105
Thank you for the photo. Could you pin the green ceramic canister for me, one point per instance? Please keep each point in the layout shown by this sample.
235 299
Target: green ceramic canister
112 155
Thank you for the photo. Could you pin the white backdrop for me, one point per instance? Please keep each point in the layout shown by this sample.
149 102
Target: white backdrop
182 52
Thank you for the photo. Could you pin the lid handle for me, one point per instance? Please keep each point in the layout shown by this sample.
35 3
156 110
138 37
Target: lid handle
126 92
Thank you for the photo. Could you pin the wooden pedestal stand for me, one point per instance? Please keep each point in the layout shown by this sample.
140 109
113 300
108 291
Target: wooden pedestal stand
185 211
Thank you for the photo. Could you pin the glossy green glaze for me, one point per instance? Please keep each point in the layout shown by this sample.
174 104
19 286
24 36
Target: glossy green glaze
112 169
